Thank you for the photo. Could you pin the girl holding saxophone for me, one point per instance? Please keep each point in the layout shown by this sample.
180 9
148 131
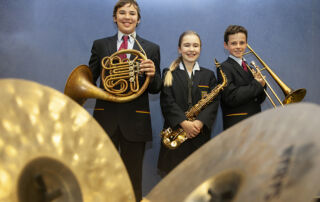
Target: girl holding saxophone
184 84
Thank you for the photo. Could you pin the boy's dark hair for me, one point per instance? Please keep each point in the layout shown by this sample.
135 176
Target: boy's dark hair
233 29
121 3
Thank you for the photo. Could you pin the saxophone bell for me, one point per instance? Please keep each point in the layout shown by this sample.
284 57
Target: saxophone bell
172 139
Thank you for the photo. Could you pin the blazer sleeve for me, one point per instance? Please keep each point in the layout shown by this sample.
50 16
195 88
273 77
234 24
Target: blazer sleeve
94 62
262 96
171 111
234 94
208 115
155 82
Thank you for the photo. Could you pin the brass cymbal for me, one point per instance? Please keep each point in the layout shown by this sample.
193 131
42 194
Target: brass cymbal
272 156
51 149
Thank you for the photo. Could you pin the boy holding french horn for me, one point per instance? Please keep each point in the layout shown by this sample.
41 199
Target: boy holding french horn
128 123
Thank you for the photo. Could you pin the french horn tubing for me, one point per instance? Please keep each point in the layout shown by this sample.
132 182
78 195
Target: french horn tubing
121 79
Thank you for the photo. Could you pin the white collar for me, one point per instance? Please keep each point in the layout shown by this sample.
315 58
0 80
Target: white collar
196 67
238 60
130 39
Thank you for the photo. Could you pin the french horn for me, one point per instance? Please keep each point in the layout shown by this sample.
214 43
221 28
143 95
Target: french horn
121 79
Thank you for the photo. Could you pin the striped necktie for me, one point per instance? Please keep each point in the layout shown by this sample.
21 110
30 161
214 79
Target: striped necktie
124 45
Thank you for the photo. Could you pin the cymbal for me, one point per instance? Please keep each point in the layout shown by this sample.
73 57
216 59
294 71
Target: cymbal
53 149
272 156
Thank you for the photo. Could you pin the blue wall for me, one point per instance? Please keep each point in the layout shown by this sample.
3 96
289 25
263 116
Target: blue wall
44 40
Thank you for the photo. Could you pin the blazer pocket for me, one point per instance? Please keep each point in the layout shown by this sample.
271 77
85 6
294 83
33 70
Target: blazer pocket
142 122
237 114
98 109
203 86
204 90
142 112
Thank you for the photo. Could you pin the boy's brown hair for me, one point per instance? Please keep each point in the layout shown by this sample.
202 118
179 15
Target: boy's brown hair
233 29
121 3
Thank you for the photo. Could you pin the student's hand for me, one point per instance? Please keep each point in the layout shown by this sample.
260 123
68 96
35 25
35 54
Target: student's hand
261 80
198 124
258 77
147 66
189 128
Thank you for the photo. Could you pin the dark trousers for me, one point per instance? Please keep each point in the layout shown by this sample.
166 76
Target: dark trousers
132 155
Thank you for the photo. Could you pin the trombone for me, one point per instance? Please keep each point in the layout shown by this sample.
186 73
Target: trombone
291 96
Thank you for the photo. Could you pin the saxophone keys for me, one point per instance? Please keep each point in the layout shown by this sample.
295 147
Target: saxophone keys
173 144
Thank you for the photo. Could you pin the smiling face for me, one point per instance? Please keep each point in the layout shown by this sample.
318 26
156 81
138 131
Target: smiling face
190 48
127 18
236 44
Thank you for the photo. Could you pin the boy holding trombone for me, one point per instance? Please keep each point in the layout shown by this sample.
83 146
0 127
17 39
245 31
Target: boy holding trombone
244 93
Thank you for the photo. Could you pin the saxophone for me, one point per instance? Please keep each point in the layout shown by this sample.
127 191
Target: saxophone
173 138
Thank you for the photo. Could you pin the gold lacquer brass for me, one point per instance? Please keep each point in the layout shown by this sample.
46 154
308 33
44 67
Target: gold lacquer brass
120 78
172 139
291 96
51 149
123 74
272 156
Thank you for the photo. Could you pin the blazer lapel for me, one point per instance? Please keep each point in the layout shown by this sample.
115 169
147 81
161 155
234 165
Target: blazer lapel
136 47
182 80
196 81
111 45
245 75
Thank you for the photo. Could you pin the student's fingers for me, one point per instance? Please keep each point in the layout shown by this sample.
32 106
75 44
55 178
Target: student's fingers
189 135
147 66
198 125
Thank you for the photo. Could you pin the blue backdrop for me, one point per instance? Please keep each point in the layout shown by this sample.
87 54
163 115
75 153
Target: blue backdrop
44 40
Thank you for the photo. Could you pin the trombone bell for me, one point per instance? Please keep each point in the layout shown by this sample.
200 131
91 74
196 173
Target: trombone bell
295 96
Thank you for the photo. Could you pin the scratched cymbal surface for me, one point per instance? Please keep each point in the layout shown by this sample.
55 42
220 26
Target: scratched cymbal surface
52 148
272 156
